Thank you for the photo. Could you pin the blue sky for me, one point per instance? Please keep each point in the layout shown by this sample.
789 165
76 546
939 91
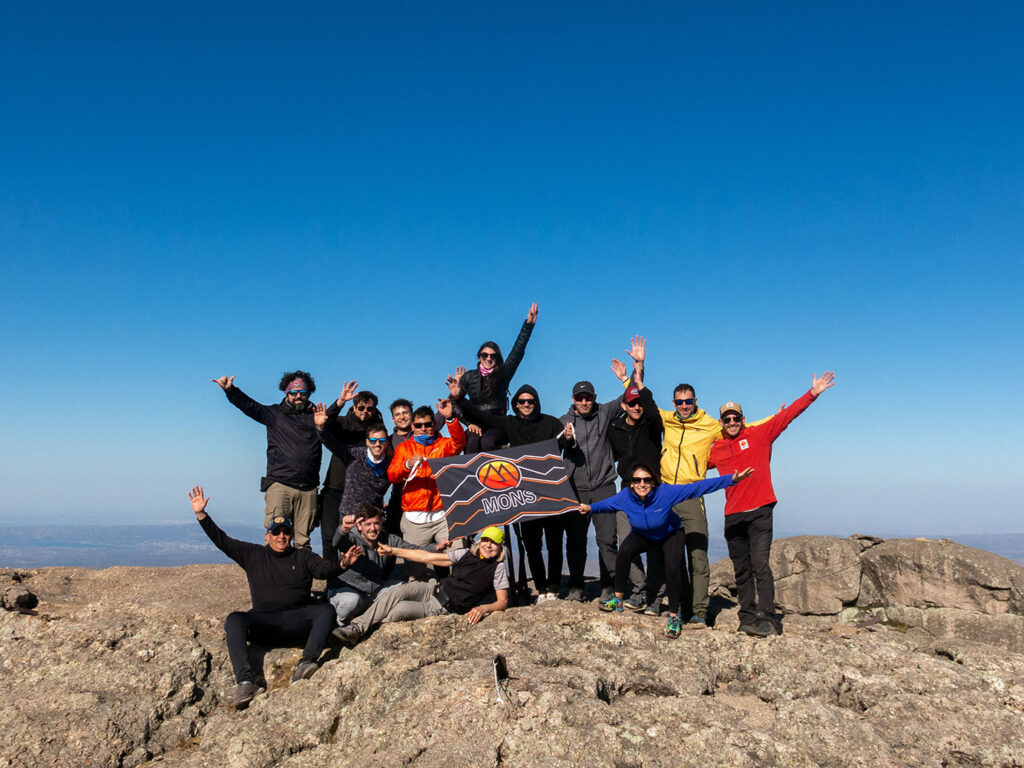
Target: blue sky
368 192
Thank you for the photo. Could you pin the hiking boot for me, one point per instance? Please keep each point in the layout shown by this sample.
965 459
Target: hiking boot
348 635
303 670
606 594
636 602
675 626
575 593
244 693
697 622
611 604
757 628
653 608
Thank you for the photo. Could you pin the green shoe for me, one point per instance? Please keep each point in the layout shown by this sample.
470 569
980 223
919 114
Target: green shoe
611 604
675 626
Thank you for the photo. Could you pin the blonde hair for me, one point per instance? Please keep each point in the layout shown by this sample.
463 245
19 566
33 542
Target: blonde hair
475 550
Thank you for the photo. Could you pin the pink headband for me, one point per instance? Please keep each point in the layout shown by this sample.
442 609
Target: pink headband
296 384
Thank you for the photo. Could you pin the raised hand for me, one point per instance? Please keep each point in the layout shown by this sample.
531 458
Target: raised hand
638 349
349 558
319 415
454 389
531 316
820 385
444 407
224 382
198 500
348 522
638 379
742 475
348 392
569 434
619 369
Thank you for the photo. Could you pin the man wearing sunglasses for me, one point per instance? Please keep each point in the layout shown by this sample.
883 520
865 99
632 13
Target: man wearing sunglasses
748 508
293 450
423 520
350 430
280 579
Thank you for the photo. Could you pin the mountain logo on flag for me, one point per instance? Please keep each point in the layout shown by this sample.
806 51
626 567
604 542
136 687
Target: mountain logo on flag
498 475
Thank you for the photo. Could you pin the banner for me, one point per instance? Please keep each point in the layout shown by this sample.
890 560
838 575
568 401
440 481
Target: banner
502 487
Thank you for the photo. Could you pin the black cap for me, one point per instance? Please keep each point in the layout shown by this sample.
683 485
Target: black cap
582 388
278 522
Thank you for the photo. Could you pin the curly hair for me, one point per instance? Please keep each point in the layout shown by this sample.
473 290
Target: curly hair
306 376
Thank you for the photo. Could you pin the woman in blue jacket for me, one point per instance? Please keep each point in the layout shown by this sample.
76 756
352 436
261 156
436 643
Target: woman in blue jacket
656 530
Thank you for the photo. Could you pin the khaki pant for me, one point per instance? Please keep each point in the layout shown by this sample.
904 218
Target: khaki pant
695 524
300 506
422 535
403 602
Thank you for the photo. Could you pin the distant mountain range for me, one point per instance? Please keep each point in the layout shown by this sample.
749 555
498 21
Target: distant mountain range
103 546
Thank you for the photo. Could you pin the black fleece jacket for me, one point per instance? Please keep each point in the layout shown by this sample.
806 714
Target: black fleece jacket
640 442
520 431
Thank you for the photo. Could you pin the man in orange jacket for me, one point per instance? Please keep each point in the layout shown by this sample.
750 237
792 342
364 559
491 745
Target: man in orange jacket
423 519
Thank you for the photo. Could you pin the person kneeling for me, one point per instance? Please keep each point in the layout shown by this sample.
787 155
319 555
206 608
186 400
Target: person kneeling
280 581
477 573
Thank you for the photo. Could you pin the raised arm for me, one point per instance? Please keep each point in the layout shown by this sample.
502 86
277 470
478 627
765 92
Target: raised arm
515 356
241 401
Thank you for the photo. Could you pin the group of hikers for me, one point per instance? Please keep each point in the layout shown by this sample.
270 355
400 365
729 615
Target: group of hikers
393 560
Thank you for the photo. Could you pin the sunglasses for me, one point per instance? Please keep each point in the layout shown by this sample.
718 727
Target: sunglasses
294 392
282 532
422 425
634 404
362 408
686 401
732 419
525 401
641 480
488 356
584 398
377 439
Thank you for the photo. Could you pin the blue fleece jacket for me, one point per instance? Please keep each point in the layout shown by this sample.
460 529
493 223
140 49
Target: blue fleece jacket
653 517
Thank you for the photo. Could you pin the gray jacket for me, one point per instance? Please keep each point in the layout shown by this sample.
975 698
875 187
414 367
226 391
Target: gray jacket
370 573
589 460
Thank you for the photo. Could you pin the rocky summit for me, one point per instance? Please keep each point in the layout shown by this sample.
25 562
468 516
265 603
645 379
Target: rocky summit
895 653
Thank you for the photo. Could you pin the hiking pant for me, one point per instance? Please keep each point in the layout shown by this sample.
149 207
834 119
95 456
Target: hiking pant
694 599
422 535
611 530
491 438
300 506
576 538
533 531
311 623
403 602
664 564
329 522
749 536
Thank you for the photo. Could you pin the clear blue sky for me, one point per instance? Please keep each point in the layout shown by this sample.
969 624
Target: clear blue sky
370 190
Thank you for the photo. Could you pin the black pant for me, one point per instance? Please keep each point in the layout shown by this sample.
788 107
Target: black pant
576 539
550 528
312 623
330 501
490 439
664 564
749 536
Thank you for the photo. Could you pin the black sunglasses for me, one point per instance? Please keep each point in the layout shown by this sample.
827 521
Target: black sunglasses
641 480
422 424
525 400
732 419
687 401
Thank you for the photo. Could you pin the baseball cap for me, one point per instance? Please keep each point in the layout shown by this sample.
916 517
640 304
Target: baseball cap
582 388
278 522
493 533
631 394
730 406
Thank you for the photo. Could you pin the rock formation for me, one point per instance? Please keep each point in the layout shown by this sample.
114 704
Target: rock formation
896 653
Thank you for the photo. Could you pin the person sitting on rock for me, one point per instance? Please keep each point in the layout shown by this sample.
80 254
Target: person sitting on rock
372 573
748 510
656 530
280 579
477 574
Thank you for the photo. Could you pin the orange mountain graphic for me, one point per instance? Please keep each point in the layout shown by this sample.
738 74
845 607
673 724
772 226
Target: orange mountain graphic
498 475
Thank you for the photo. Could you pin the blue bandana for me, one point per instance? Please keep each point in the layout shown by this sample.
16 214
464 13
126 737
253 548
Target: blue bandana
425 439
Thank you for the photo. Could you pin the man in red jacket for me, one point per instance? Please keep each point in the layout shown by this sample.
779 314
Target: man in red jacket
748 506
423 520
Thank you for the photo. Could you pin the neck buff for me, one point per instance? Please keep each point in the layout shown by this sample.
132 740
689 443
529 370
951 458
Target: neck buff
485 371
425 439
377 465
296 384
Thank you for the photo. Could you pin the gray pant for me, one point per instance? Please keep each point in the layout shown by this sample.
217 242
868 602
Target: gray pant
300 506
422 535
610 529
695 523
403 602
347 602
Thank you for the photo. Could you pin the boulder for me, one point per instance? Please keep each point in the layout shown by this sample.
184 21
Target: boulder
924 573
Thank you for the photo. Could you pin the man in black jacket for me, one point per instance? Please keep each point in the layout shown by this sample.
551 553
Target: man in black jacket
280 579
293 450
528 425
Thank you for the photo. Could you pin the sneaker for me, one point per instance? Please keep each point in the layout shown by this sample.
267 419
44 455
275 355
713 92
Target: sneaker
675 626
756 628
653 608
545 597
697 622
636 602
575 593
244 693
612 604
348 635
304 669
